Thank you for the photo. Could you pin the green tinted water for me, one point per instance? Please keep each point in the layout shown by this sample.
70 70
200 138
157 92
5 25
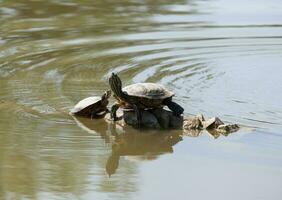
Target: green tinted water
221 58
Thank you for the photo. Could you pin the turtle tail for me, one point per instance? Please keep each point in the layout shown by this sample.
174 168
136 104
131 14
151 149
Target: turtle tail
116 86
174 107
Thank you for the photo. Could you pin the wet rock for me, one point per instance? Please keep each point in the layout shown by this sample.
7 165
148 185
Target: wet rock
194 123
162 116
200 117
226 129
148 119
167 119
175 122
212 123
193 126
164 119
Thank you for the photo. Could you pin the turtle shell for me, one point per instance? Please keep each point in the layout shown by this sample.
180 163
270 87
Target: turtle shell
148 90
85 106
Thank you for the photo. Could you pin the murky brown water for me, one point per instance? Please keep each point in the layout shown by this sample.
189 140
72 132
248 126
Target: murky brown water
221 58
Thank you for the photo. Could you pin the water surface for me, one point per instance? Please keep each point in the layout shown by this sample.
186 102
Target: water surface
221 58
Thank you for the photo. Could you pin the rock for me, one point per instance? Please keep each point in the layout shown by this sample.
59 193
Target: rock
226 129
193 123
154 119
164 119
212 123
167 119
200 117
148 119
193 126
162 116
175 122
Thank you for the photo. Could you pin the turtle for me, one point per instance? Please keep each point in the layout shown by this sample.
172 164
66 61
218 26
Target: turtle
92 106
141 96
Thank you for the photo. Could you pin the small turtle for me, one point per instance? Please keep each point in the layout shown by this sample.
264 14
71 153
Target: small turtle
92 106
141 96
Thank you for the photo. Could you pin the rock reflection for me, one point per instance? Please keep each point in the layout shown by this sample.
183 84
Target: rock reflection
211 132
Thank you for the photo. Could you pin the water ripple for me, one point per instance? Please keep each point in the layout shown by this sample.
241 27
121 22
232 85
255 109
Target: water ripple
48 69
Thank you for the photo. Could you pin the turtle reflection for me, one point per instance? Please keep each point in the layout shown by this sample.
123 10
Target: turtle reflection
147 146
127 141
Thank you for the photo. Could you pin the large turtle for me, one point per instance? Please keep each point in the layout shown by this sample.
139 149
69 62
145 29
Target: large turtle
92 106
141 96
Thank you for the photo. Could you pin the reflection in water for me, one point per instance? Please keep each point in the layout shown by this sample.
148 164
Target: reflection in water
133 143
144 145
127 141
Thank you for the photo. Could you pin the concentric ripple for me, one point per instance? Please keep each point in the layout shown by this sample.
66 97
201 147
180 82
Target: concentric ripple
213 66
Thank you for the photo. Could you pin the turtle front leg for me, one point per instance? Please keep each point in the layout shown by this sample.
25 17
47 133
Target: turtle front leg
93 113
114 111
138 115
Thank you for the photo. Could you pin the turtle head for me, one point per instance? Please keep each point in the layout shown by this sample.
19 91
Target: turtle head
116 85
106 95
104 99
